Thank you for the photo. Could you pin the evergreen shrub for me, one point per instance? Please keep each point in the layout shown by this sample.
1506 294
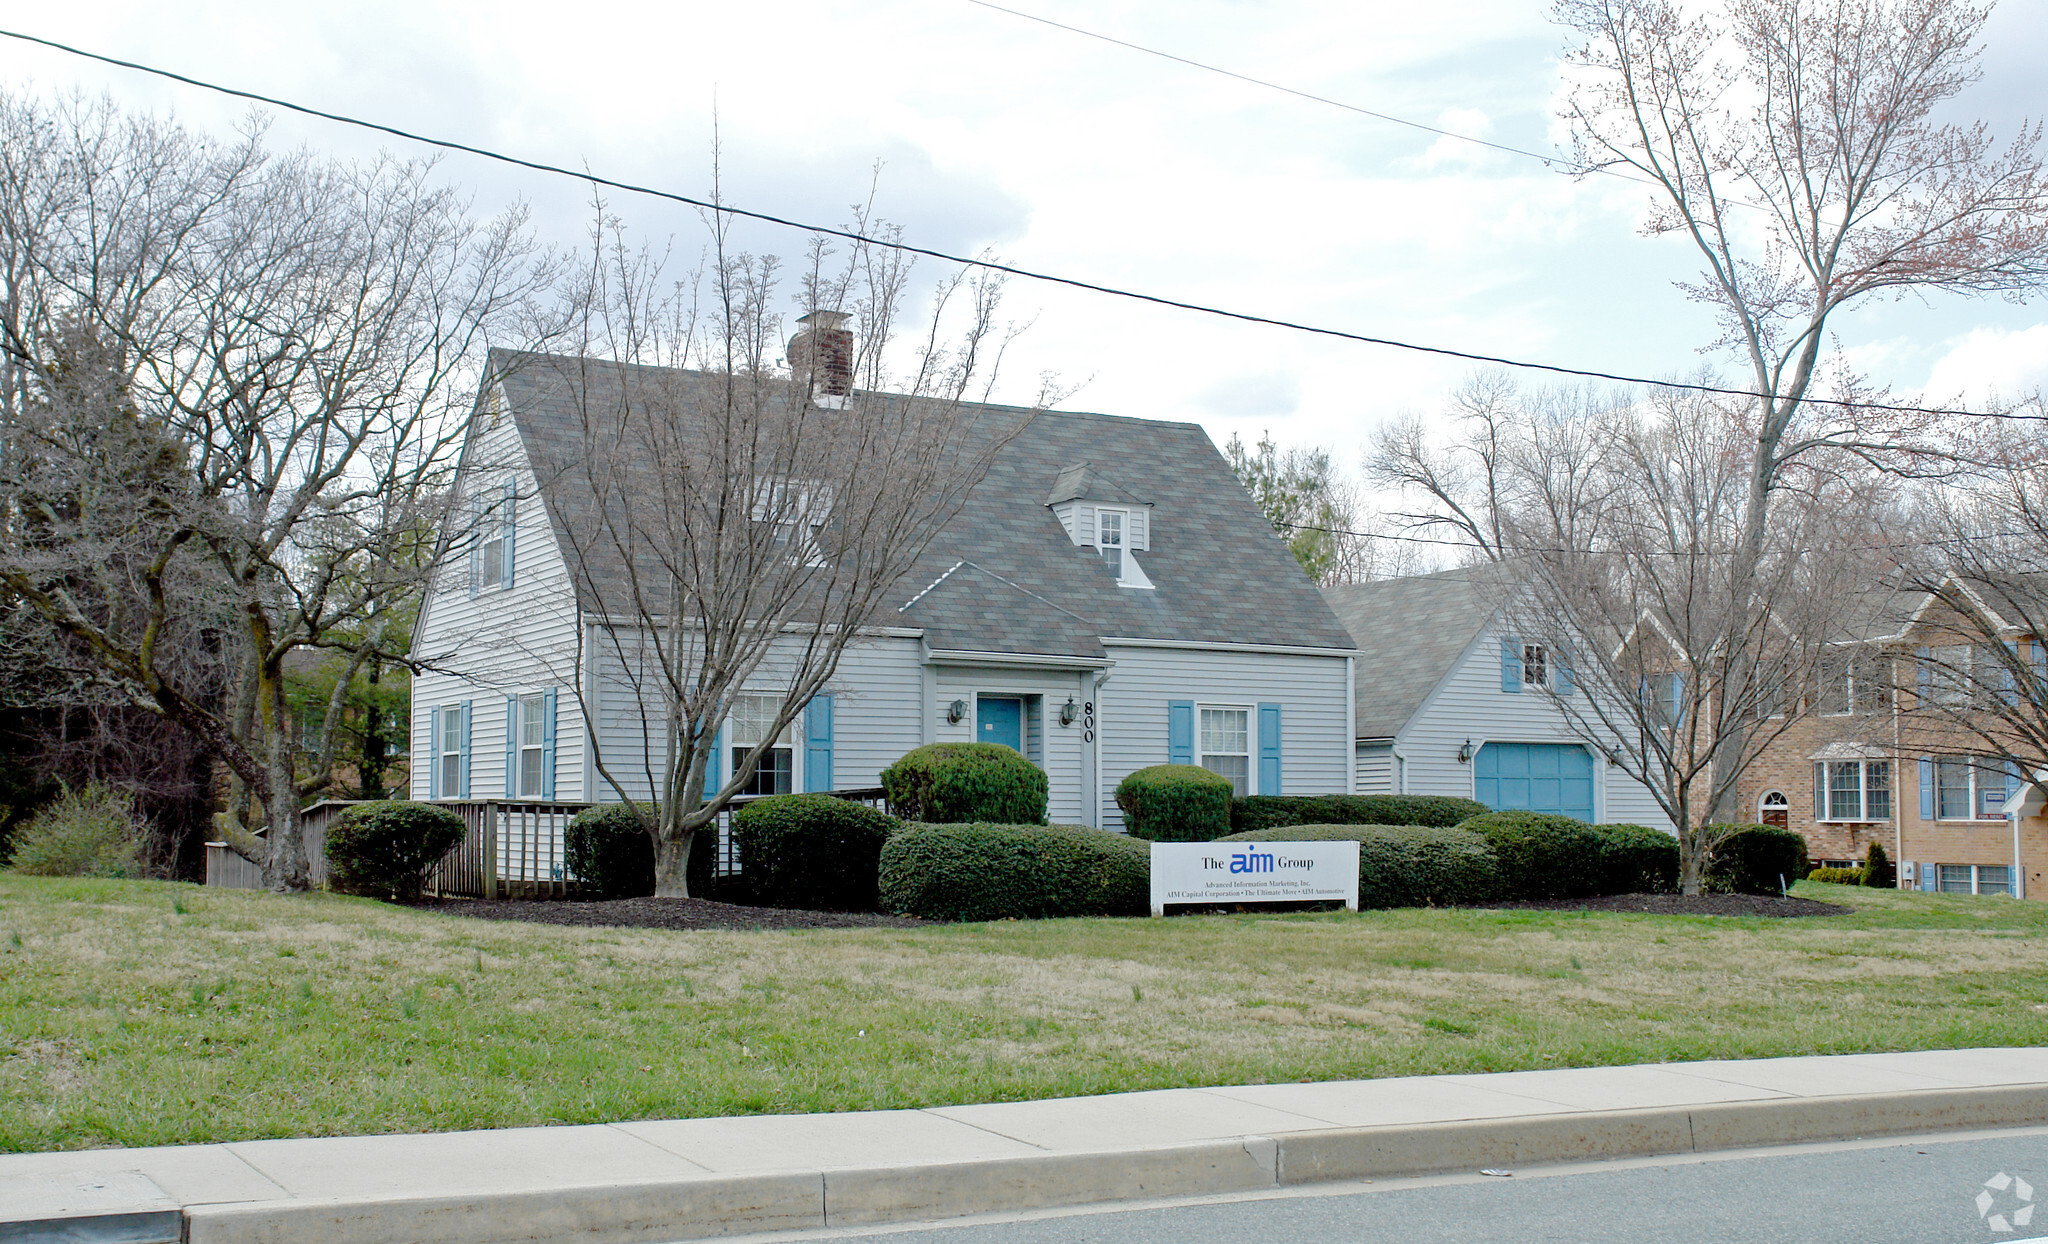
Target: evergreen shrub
1640 860
1025 872
610 853
1175 803
1877 868
1406 865
813 852
1837 876
1752 858
1256 812
953 783
1543 855
384 849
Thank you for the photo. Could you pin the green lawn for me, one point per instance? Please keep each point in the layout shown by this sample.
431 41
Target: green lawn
136 1013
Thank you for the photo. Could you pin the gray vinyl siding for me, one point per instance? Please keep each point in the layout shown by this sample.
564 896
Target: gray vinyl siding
1469 704
505 641
1315 755
1059 749
1376 769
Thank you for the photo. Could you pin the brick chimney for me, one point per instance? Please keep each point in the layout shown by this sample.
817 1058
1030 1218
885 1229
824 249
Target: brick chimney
822 352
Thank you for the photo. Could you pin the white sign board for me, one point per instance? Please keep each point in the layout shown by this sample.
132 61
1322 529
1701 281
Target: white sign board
1254 872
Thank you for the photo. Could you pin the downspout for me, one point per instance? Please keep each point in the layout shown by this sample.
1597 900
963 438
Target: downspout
1898 785
1094 746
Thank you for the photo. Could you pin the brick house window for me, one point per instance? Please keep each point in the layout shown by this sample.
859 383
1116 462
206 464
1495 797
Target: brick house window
1852 790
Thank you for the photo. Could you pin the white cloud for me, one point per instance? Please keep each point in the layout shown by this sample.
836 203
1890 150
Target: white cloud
1988 364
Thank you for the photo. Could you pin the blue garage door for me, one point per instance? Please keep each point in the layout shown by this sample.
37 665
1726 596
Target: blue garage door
1539 777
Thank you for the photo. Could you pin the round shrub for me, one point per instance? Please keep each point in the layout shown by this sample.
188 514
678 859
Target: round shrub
811 851
384 849
1640 860
1029 872
609 851
1837 876
1544 856
1406 865
93 831
1877 868
1751 859
1256 812
1175 803
952 783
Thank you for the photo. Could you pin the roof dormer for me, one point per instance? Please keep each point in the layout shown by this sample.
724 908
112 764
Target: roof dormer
1101 514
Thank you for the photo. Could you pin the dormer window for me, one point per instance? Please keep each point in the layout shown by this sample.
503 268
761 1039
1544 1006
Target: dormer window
1109 538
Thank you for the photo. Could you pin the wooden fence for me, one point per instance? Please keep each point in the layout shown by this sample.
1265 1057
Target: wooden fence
509 848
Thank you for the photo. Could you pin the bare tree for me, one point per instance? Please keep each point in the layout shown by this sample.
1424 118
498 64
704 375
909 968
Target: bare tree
1318 513
229 395
740 525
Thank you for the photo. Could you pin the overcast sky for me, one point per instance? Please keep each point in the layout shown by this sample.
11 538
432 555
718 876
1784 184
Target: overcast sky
1073 156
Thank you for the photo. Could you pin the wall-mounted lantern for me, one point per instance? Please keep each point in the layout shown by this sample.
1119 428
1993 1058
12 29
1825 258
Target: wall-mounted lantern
1466 752
956 712
1069 711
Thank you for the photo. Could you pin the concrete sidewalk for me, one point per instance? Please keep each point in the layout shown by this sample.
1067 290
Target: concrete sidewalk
692 1178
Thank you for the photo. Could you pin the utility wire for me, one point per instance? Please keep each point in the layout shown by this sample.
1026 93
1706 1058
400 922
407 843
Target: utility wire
1549 161
990 265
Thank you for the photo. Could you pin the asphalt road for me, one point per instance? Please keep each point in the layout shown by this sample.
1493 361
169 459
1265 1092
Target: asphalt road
1890 1192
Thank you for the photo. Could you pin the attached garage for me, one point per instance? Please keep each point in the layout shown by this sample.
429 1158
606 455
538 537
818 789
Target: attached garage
1537 777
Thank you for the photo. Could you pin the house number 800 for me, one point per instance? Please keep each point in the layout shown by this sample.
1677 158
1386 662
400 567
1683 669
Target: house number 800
1088 722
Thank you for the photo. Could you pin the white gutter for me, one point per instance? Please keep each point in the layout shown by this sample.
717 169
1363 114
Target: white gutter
963 656
1208 646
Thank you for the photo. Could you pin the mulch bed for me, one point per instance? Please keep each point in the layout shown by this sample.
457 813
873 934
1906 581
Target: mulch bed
1685 905
660 913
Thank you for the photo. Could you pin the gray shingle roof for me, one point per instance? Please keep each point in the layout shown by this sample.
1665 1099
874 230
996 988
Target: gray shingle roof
1221 574
1410 632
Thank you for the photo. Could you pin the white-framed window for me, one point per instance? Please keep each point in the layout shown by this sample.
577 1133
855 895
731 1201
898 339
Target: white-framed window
494 523
797 512
532 745
449 750
1110 529
1535 665
1851 683
1852 790
753 716
1968 788
1225 744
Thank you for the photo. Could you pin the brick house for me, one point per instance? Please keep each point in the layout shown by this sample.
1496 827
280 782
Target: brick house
1884 749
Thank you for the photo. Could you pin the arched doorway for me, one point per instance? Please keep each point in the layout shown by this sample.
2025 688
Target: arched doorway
1774 809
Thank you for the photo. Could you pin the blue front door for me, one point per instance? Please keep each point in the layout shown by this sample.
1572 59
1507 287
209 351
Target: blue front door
1536 777
1001 721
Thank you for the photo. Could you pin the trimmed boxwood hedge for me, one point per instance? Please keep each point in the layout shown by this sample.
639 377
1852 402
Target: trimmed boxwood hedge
1837 876
1175 803
1752 858
1545 856
1640 860
384 849
1029 872
955 783
1256 812
813 852
1406 865
608 851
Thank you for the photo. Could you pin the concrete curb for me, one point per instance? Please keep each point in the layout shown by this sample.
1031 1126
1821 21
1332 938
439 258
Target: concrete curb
643 1213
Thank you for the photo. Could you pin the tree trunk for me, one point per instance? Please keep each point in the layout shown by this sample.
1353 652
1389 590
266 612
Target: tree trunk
285 869
1691 865
672 862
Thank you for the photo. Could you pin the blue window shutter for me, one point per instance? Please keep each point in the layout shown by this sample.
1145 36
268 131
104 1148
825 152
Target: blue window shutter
547 745
511 526
1510 666
1925 681
433 753
511 747
1180 732
2008 686
467 720
818 744
2040 687
1269 749
715 765
1927 788
1677 707
1561 672
1820 791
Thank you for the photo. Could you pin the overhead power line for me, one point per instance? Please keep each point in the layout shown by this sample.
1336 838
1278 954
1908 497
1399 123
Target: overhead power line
1549 161
1244 317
